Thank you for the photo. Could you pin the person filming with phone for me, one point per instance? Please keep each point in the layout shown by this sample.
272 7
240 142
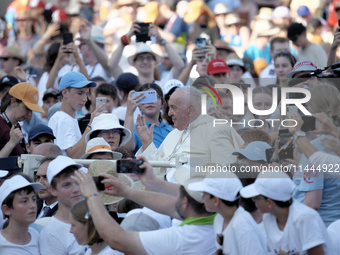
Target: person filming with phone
145 60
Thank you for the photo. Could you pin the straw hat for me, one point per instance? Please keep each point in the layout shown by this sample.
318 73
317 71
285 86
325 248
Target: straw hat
144 48
265 13
265 28
107 167
233 18
13 52
195 9
98 144
151 12
221 9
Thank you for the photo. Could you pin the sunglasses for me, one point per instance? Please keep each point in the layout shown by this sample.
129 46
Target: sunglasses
219 75
220 239
147 58
5 58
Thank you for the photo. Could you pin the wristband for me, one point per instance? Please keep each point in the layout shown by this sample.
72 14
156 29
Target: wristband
125 40
91 195
88 127
79 61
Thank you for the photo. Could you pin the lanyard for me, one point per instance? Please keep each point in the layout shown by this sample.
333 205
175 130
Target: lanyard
22 142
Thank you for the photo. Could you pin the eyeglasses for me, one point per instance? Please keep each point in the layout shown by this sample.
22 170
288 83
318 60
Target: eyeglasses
220 240
111 131
147 58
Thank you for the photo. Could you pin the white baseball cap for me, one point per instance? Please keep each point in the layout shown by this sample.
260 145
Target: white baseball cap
59 164
3 173
224 188
15 183
274 185
254 151
182 175
173 83
302 66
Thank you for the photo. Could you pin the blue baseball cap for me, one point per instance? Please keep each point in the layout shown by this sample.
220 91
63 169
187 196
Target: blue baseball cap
303 11
254 151
74 80
40 129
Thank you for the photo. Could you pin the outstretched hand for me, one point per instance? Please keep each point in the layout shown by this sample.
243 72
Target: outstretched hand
145 134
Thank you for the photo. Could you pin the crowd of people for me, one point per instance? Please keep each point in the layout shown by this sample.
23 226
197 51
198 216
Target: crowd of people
227 111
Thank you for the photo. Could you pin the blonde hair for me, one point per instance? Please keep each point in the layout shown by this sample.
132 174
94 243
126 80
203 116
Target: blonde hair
326 98
79 211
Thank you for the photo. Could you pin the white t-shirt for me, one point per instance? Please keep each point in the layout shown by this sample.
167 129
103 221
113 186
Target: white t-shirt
65 129
182 240
304 230
334 234
241 236
56 239
121 113
32 248
98 71
106 251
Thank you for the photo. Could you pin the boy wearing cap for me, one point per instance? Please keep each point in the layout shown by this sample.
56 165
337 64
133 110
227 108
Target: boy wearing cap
74 88
291 227
237 232
55 237
18 204
39 134
219 71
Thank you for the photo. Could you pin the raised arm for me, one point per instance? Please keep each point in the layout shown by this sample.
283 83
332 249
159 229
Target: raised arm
107 227
132 103
332 58
175 58
85 36
117 54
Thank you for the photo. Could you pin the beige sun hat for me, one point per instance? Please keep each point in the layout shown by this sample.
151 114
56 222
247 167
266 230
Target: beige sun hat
98 144
265 28
108 167
144 48
107 121
233 18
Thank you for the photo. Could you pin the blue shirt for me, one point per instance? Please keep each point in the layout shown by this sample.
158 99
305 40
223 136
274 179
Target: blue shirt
329 209
159 133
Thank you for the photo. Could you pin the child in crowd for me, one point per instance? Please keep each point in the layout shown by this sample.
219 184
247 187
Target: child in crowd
19 205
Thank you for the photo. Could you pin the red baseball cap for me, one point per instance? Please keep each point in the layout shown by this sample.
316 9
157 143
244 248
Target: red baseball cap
217 65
